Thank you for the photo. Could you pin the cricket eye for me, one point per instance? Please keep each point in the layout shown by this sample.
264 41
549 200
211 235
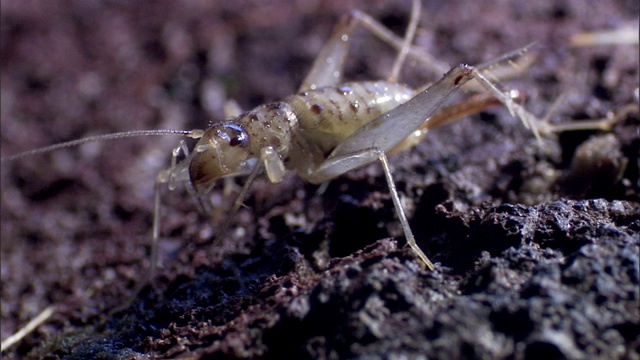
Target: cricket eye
237 135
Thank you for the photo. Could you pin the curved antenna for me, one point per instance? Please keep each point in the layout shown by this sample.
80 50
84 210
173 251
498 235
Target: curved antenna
120 135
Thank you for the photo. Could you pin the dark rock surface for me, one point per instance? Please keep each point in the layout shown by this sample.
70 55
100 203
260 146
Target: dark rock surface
537 247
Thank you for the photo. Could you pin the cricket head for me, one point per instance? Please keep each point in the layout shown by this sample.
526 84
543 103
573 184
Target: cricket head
222 151
234 147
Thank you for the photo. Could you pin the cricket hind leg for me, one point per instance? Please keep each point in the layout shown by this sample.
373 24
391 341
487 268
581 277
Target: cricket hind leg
338 165
275 170
519 61
328 66
370 142
538 126
545 127
445 116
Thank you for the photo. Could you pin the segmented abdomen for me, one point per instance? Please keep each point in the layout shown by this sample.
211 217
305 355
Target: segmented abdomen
328 115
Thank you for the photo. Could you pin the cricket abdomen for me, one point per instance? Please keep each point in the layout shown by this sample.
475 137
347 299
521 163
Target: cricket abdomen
328 115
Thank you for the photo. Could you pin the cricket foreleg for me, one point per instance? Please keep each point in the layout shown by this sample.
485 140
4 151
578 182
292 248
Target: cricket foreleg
273 166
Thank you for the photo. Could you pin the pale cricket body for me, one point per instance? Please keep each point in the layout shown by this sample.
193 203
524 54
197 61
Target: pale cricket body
327 129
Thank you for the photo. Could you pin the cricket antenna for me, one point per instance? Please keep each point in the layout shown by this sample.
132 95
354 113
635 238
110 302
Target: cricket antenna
195 134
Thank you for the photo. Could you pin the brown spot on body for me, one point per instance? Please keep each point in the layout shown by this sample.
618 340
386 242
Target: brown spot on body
317 108
354 106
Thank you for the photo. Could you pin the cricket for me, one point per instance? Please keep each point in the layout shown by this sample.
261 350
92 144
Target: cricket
328 128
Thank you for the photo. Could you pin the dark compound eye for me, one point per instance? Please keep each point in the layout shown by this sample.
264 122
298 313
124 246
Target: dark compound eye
237 135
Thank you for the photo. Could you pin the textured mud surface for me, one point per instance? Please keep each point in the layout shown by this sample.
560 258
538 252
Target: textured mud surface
537 252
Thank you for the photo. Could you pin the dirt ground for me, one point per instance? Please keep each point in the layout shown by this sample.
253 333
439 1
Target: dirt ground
536 247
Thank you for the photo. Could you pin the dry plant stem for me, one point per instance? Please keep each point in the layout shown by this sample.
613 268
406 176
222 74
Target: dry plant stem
625 36
28 328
